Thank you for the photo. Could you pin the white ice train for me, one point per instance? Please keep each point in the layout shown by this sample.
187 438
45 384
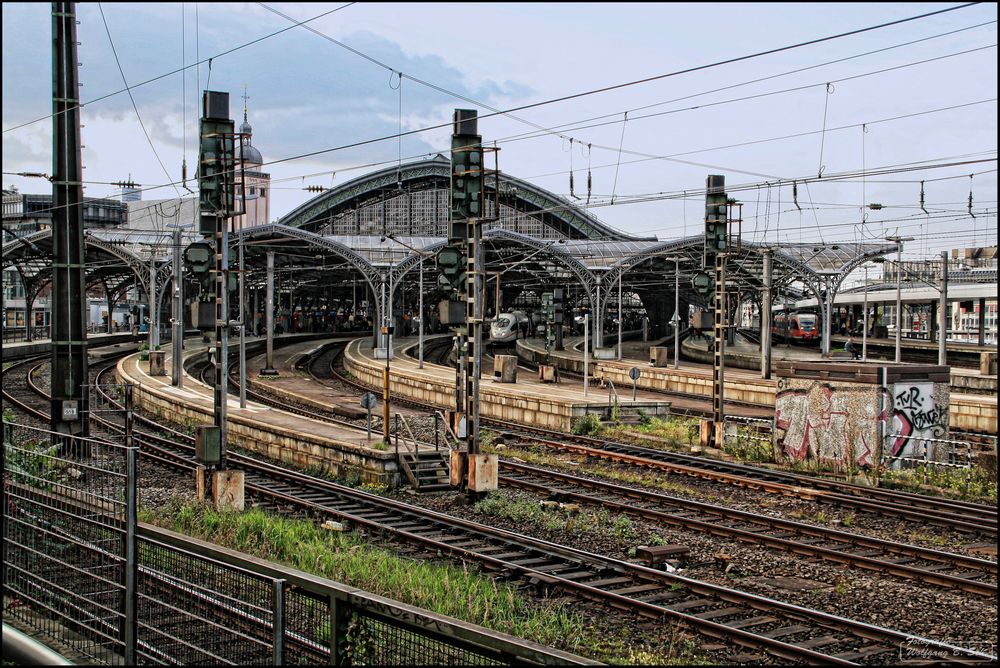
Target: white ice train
505 327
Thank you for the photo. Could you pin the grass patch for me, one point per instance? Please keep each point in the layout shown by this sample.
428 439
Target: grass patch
555 520
349 558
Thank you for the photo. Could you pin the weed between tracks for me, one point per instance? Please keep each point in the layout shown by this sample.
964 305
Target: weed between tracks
555 519
973 484
457 592
649 479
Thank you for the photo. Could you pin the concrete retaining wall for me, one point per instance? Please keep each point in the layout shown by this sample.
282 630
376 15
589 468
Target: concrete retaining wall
503 402
277 442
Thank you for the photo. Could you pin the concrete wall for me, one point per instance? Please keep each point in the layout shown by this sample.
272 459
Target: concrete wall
280 443
843 423
504 402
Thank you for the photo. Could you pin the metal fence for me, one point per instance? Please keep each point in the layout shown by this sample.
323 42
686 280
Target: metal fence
69 519
929 452
84 577
16 334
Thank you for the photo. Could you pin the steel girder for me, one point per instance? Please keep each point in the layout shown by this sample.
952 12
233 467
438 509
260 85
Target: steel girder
438 171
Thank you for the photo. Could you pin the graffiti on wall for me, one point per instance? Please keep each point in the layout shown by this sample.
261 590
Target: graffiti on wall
919 413
827 421
842 423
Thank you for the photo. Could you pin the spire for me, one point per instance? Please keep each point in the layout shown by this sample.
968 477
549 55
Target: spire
245 128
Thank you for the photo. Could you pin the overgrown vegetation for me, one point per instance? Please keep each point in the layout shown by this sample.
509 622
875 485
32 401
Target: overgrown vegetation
587 425
672 431
347 557
749 449
971 484
555 518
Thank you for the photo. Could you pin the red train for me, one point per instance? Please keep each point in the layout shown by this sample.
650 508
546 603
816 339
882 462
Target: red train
797 326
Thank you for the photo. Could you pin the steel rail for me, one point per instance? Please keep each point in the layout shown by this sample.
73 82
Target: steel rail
575 571
960 515
660 460
717 520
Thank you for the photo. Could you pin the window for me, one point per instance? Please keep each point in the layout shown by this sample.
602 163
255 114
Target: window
263 192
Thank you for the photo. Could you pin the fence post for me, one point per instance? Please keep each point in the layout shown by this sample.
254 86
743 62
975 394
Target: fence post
278 650
131 557
129 418
338 615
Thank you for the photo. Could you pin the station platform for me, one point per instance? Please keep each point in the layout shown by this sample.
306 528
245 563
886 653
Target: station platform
23 349
339 450
968 412
527 401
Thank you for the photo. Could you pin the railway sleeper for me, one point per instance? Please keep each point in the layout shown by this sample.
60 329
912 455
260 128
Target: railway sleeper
853 655
661 596
689 605
638 589
786 631
722 612
751 621
534 562
816 643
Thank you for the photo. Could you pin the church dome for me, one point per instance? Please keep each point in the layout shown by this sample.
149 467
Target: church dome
252 155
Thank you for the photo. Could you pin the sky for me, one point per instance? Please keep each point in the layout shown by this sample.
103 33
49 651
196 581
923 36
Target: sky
807 137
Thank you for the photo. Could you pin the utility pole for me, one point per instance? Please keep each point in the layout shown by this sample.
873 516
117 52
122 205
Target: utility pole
765 317
943 313
899 300
69 408
216 204
178 325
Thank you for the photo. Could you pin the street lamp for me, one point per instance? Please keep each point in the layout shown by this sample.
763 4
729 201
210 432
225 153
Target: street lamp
899 301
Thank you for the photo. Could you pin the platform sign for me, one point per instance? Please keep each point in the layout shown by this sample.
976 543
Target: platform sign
368 401
634 374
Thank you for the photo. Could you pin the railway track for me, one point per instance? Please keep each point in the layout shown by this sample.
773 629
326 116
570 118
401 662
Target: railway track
962 516
783 630
977 576
958 515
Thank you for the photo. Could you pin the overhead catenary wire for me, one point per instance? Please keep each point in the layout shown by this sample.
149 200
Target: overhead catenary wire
135 107
197 64
537 104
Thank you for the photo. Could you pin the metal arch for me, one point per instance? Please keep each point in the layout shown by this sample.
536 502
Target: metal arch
358 261
860 260
365 185
585 276
138 266
406 265
627 263
439 169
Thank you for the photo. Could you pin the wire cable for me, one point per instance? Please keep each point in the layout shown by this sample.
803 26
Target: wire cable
132 99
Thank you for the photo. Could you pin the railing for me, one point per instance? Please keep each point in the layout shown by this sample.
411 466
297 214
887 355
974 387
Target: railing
411 449
81 574
612 397
933 452
14 334
749 436
69 544
452 442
